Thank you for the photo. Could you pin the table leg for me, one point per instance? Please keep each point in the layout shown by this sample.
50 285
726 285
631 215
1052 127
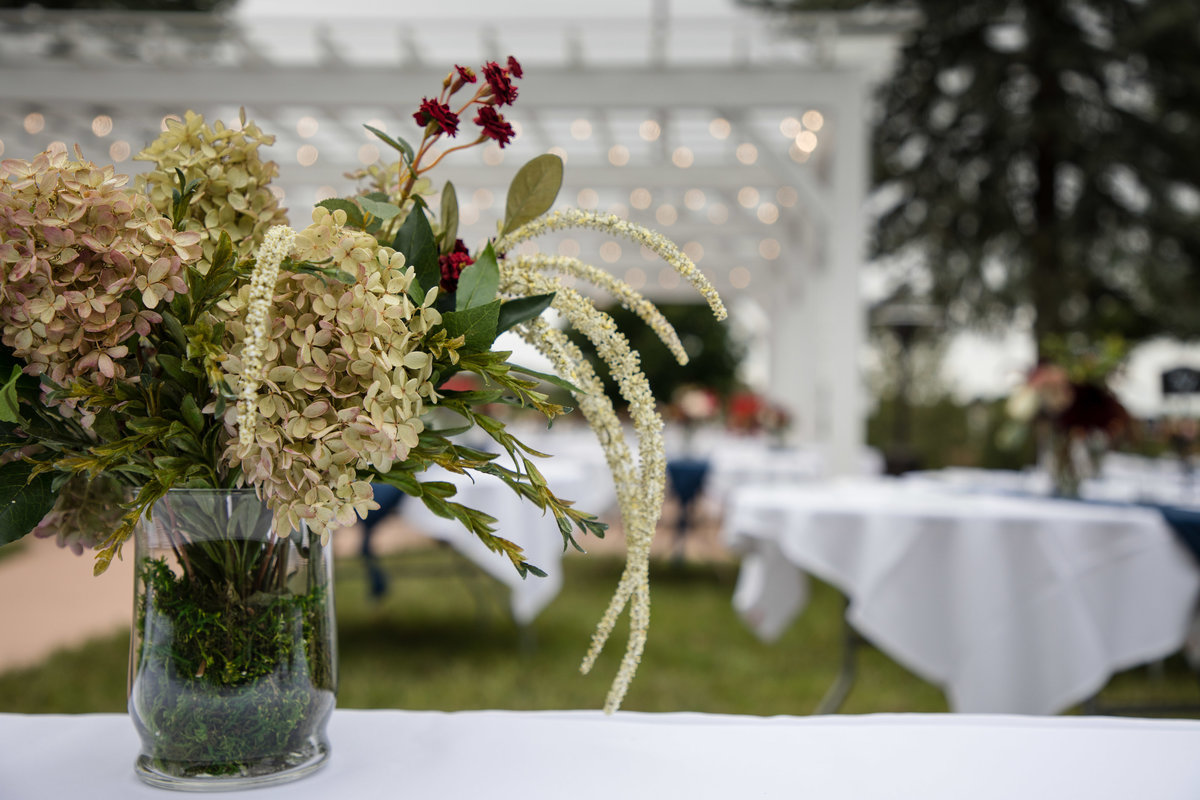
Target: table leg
840 690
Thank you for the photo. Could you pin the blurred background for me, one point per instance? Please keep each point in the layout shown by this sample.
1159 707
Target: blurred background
947 233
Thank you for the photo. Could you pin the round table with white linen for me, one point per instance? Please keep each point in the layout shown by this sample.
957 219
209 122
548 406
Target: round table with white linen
1011 604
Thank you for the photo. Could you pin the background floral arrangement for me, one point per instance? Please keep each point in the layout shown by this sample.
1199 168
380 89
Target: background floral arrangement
1068 395
177 333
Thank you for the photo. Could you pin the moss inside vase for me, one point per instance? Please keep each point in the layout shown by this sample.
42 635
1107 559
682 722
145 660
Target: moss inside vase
234 671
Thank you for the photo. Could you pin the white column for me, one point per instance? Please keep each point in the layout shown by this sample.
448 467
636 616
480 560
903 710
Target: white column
840 400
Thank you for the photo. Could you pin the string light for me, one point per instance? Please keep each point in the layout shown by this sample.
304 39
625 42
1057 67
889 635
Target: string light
618 155
747 153
306 127
581 130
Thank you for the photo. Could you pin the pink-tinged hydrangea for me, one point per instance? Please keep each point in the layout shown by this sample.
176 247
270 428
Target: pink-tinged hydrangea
343 375
83 265
84 513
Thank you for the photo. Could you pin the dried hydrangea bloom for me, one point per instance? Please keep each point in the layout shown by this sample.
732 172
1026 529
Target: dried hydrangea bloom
234 192
344 375
84 513
83 265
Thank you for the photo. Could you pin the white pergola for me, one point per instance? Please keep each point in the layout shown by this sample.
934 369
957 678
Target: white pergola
745 145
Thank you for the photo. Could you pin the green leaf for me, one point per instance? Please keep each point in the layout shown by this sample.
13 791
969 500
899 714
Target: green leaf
354 215
525 567
449 217
514 312
191 414
477 325
415 240
380 209
9 402
396 144
532 191
548 378
173 367
174 328
223 253
478 282
24 500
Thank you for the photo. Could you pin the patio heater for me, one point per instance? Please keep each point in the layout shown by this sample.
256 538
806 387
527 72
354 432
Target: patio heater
905 321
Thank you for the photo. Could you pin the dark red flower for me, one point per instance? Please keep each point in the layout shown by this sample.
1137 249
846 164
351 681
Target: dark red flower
452 265
466 74
494 126
503 90
438 113
514 68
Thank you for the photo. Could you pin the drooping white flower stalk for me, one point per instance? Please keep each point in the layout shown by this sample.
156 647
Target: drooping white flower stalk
616 226
639 512
621 291
640 492
276 246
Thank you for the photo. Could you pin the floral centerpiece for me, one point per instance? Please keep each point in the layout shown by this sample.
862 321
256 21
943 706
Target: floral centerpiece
173 345
1067 400
748 412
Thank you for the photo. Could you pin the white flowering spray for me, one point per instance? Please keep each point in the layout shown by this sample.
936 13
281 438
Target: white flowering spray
639 489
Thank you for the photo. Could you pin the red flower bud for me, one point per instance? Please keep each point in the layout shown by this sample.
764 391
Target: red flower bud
452 265
514 68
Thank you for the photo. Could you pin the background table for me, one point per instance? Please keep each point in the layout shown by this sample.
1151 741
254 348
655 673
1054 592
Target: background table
583 755
1011 604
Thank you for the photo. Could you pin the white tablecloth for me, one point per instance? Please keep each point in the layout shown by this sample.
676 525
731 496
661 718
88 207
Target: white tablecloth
1010 604
583 755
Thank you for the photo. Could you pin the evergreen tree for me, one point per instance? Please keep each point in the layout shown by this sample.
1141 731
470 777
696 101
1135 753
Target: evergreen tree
1042 154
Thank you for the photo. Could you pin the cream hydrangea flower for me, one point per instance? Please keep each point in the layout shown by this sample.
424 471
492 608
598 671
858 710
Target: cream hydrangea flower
234 193
341 373
83 265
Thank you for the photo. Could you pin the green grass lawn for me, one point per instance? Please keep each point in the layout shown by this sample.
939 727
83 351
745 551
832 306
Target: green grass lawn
442 639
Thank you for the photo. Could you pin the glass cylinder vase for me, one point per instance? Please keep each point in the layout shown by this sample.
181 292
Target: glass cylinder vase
233 661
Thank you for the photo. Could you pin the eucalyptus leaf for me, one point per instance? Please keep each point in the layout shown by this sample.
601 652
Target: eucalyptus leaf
478 282
377 208
449 217
532 191
397 143
415 240
24 500
514 312
476 325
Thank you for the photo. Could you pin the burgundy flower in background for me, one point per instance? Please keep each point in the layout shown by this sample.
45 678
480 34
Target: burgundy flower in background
494 126
514 67
503 90
438 113
467 74
452 265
